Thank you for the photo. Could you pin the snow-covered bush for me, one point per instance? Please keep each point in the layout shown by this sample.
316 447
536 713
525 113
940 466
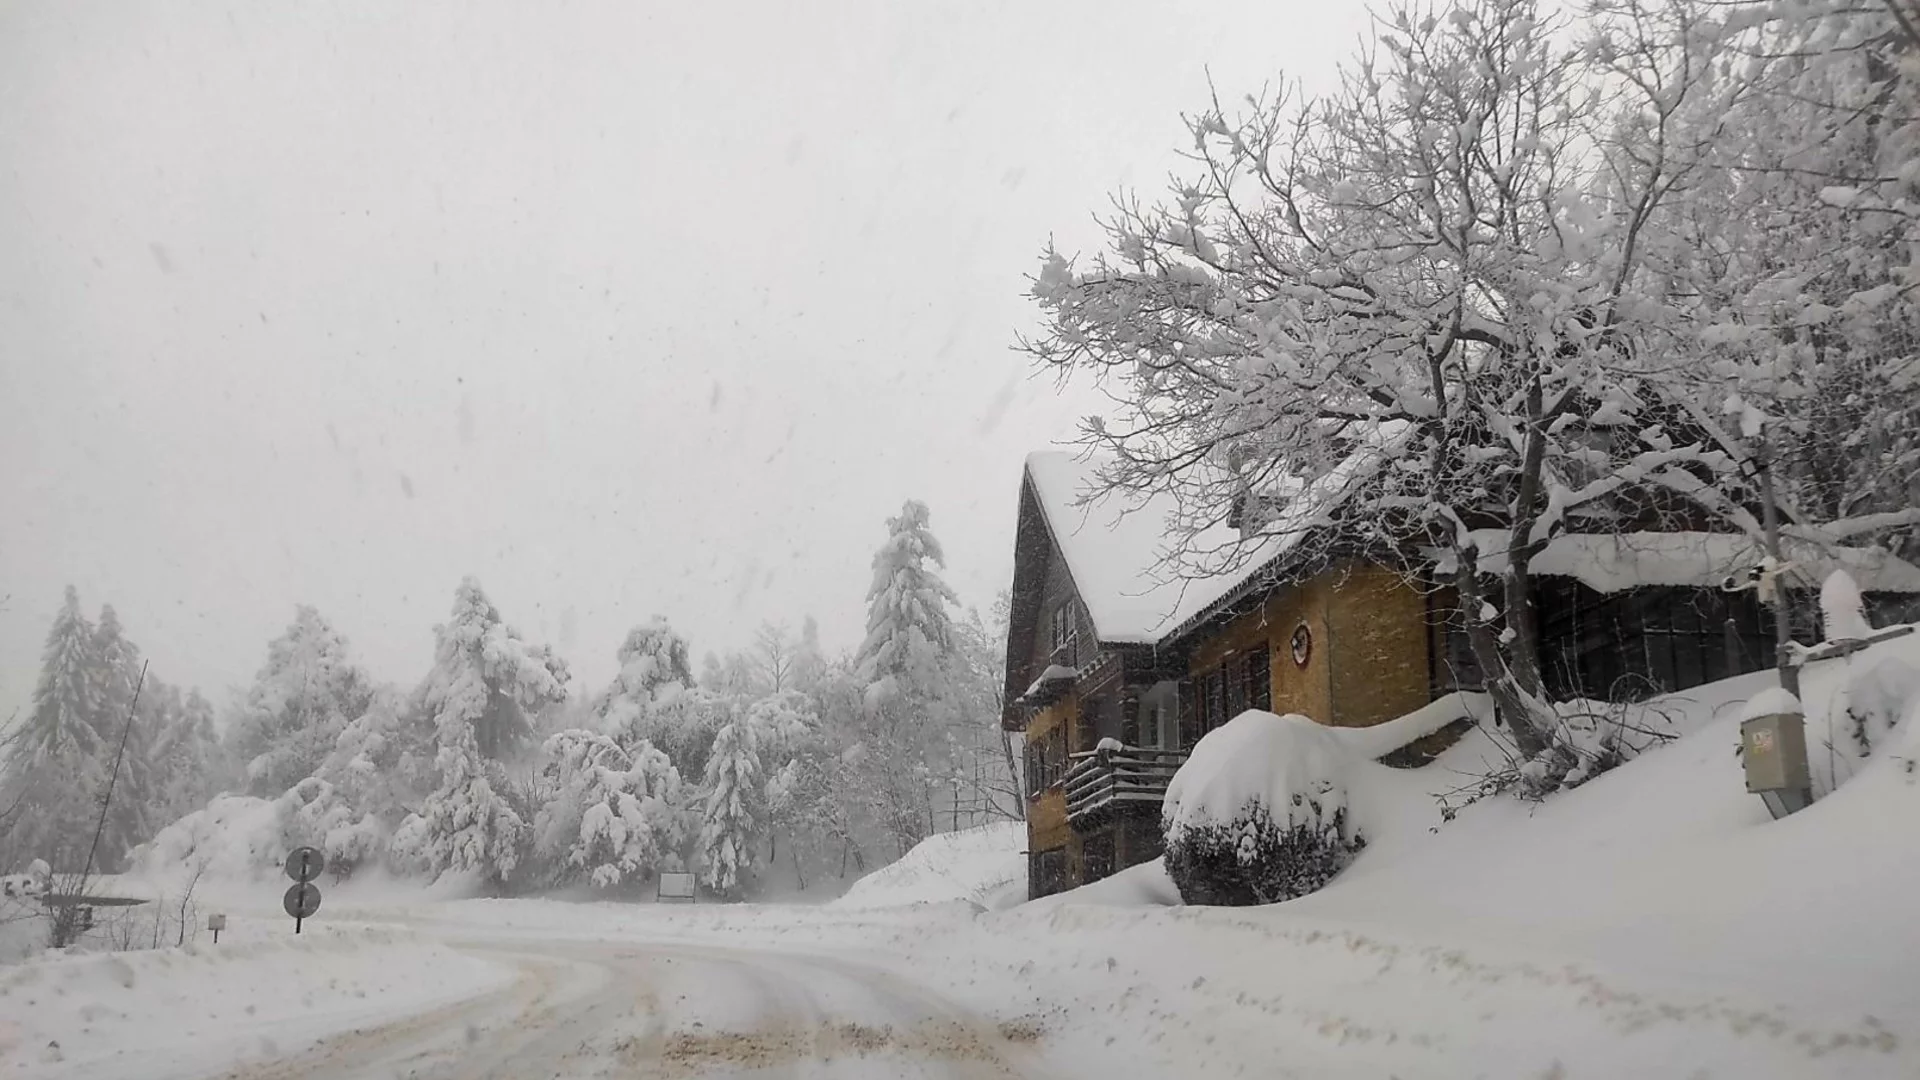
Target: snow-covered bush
1861 719
616 815
1259 811
1589 738
1254 859
314 813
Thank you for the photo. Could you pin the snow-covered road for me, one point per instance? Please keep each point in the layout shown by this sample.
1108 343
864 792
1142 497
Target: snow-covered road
600 1009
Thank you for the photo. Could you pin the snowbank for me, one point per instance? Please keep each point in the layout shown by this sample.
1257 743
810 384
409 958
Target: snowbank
234 836
972 864
1294 767
154 1013
1145 885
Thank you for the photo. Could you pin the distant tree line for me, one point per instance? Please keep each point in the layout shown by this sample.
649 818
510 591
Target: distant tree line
776 759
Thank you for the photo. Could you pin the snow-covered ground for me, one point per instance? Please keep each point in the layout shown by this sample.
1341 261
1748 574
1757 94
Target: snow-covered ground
983 865
1653 922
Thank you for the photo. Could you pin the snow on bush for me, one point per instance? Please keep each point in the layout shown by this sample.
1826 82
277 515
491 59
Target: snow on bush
315 813
618 816
1258 812
1861 717
1590 737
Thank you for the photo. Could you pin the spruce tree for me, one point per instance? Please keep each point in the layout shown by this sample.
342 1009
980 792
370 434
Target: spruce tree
303 697
735 817
484 681
56 762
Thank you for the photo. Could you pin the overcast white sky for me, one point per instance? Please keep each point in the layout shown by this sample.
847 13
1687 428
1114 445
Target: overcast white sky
624 307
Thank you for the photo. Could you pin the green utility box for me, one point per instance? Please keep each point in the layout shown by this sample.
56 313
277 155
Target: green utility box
1774 749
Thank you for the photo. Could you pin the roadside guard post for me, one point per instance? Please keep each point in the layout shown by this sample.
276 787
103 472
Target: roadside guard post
303 865
216 923
1774 750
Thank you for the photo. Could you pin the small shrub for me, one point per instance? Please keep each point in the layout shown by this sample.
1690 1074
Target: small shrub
1253 860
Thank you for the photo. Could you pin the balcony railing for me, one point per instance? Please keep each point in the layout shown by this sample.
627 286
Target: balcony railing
1099 781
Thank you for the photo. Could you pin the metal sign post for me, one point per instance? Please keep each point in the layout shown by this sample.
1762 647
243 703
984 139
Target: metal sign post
303 865
216 923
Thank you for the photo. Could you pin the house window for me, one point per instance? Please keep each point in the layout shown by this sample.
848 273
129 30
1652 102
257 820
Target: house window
1046 762
1132 714
1096 856
1187 701
1259 674
1087 730
1240 683
1066 634
1046 872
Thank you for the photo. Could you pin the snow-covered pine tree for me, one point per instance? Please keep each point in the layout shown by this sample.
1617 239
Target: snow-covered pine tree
484 681
618 816
906 667
382 764
735 818
786 728
302 698
56 761
653 698
127 823
906 656
188 764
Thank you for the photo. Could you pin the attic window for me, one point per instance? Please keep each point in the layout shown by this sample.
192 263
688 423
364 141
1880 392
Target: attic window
1066 630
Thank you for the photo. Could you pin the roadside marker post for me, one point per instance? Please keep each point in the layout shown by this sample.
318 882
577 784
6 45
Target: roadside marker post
303 865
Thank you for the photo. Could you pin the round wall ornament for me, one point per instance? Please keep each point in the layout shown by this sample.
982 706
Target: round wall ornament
1301 645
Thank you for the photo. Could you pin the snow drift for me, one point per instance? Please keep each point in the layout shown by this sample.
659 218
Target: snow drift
982 865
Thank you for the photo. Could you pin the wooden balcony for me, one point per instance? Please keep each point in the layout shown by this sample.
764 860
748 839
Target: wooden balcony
1129 777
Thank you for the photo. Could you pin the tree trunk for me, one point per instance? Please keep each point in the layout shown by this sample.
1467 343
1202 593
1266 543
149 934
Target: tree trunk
1519 701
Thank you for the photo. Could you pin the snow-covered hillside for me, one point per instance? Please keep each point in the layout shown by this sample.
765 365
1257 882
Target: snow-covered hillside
983 865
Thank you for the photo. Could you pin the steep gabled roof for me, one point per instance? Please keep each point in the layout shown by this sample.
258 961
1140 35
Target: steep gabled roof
1116 549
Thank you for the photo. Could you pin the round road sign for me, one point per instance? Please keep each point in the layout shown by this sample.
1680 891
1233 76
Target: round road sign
302 900
305 863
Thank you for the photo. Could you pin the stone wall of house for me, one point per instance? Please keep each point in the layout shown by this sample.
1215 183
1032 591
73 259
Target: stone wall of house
1365 642
1047 810
1300 688
1377 646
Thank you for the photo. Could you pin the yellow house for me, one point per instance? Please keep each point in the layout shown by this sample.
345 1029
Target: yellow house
1115 668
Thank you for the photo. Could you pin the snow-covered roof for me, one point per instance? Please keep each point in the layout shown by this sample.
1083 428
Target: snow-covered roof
1612 563
1116 548
1054 673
